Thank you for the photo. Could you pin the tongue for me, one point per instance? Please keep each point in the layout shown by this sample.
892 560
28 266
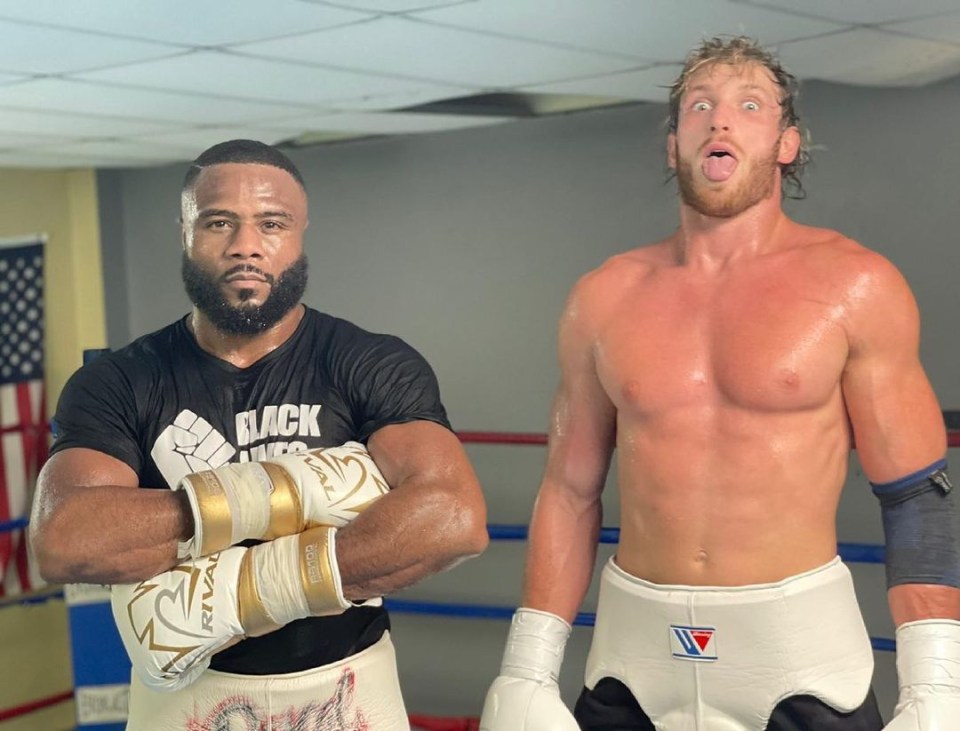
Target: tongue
718 169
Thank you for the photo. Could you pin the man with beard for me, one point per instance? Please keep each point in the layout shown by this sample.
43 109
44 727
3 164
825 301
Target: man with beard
731 366
312 470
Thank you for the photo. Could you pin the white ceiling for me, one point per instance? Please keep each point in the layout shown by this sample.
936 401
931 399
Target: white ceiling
140 82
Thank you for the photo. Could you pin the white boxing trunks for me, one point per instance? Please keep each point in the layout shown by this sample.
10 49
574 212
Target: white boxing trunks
359 693
721 658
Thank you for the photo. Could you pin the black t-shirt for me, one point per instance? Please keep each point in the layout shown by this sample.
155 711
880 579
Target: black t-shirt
166 407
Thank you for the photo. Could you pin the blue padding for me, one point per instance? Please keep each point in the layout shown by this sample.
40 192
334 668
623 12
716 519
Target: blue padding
103 726
98 654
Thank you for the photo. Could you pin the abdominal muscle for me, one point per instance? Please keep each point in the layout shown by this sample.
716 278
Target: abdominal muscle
730 499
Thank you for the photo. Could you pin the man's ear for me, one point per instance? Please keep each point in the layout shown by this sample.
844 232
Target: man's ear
789 146
672 151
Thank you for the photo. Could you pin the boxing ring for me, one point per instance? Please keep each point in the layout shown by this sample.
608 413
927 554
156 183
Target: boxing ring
101 669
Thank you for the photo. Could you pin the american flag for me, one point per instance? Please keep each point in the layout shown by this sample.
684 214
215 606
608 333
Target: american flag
23 428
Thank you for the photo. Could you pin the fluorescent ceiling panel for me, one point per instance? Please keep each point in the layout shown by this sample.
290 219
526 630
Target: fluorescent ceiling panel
424 51
30 49
88 98
184 22
872 58
862 11
227 74
650 84
660 30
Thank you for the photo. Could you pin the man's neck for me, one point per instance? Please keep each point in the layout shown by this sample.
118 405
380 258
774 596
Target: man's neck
712 242
243 350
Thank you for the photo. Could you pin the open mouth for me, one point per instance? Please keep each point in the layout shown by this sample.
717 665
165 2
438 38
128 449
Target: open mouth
719 164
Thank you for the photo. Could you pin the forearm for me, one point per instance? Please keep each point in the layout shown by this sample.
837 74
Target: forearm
562 552
410 534
109 534
913 602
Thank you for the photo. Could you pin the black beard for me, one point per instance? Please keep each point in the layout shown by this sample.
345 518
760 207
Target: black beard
757 186
204 291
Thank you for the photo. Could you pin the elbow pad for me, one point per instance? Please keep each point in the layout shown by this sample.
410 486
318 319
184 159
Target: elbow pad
921 523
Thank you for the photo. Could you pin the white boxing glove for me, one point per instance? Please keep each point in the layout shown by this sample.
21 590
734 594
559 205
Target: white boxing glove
525 696
928 668
281 496
172 624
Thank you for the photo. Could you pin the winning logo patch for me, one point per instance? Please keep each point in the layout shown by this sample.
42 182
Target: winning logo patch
693 643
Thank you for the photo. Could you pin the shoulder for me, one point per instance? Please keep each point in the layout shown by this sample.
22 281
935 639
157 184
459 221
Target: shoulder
837 259
600 289
342 333
135 362
872 292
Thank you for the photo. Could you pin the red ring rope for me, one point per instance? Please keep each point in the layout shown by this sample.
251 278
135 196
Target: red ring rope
499 437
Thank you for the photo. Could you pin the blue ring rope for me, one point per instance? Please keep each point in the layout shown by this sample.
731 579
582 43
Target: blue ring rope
853 552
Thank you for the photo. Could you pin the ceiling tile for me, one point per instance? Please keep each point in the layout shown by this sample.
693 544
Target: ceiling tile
943 28
871 58
185 22
399 100
649 84
84 97
21 139
120 149
30 49
389 123
861 11
199 139
36 159
73 125
389 6
255 78
425 51
660 30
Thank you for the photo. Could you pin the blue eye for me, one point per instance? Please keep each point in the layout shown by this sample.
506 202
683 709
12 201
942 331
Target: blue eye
751 106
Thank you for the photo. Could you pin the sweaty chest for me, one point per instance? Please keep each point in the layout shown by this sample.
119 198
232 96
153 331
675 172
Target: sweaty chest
762 351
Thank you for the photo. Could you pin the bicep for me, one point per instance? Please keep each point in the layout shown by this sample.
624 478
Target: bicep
582 427
897 423
66 471
420 451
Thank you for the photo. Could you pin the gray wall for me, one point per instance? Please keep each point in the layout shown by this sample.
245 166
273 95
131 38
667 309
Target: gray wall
466 243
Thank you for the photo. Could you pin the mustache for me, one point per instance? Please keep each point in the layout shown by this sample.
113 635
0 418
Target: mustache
247 268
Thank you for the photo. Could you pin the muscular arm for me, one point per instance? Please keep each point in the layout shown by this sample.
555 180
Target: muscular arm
897 423
433 517
91 524
567 514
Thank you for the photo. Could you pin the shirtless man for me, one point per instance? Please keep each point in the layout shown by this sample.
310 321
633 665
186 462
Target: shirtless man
733 365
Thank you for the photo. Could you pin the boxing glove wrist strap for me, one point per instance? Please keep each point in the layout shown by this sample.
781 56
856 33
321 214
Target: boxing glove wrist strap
928 653
535 646
290 578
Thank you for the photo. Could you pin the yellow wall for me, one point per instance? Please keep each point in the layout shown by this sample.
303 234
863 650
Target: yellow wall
62 205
